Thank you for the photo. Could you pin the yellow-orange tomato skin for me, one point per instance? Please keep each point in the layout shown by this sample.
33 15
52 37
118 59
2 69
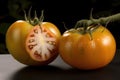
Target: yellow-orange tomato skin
88 52
15 41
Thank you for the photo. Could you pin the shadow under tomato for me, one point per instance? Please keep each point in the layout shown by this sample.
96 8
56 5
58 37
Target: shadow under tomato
35 73
63 72
55 73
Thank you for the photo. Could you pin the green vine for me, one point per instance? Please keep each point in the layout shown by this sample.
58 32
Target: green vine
89 25
102 20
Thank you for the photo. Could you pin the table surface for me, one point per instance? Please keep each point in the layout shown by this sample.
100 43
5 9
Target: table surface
10 69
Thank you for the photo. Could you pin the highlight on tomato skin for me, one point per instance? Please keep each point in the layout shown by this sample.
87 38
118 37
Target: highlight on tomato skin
18 34
88 50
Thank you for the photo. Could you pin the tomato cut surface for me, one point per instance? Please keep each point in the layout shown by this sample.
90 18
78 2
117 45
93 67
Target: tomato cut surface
33 45
41 45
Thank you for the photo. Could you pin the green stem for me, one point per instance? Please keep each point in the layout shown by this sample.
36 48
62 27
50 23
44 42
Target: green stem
35 21
42 16
29 16
102 20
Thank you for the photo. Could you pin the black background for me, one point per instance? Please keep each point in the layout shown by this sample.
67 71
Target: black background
57 12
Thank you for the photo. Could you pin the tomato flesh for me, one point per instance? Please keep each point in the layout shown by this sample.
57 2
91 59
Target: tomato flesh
41 44
16 37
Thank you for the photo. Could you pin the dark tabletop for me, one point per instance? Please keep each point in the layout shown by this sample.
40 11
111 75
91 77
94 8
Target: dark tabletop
10 69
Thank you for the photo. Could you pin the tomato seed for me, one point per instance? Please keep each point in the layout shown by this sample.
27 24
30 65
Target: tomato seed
51 42
36 31
32 35
37 54
45 56
47 35
31 40
31 46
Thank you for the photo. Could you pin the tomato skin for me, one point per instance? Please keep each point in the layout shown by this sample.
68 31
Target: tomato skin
15 42
52 28
83 52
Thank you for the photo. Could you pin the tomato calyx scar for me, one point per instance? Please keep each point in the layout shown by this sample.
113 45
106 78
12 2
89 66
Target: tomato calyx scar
40 43
88 30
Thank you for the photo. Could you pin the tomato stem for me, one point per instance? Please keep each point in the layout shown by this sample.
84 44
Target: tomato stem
29 16
25 16
35 20
42 16
90 33
102 20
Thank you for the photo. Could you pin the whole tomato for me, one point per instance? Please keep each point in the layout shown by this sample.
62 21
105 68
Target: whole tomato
90 48
21 36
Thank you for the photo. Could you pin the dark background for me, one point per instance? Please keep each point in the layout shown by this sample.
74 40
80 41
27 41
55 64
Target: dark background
57 12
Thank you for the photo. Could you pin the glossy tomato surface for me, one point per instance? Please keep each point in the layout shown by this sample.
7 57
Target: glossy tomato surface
88 51
16 36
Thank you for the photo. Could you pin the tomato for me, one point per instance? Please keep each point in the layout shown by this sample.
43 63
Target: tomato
17 35
87 50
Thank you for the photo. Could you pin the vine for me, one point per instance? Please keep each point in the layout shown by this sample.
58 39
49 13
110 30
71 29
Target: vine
89 25
102 20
